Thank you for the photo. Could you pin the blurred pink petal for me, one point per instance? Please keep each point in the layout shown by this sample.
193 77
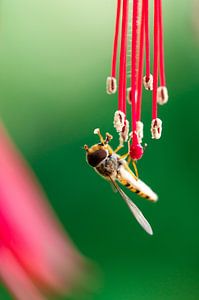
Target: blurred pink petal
16 279
33 246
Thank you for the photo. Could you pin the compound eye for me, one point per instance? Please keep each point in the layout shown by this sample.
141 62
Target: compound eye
96 157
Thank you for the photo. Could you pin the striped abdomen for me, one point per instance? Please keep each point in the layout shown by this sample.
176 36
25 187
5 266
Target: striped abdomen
136 185
134 190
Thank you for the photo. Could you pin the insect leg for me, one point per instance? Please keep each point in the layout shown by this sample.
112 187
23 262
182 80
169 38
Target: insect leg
97 131
135 168
118 148
124 156
129 160
127 154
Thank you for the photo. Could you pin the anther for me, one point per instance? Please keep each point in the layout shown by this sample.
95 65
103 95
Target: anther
148 82
156 128
139 129
162 95
119 120
111 85
124 134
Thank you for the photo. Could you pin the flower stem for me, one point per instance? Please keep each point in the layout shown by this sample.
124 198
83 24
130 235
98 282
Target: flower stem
115 43
161 46
141 63
133 62
155 59
123 53
147 40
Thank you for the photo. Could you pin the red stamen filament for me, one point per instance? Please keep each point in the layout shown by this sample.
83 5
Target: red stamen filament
141 62
147 40
123 52
133 63
124 84
155 59
161 45
115 44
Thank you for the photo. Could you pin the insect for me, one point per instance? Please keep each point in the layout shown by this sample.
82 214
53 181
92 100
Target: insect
114 168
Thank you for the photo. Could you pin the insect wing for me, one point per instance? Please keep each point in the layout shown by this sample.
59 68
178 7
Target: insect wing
140 217
134 209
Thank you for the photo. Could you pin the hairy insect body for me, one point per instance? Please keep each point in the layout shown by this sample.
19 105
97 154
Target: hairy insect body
109 166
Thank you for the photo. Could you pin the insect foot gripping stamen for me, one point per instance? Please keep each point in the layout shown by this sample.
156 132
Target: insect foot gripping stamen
139 129
136 149
111 85
148 82
119 120
156 128
124 134
162 95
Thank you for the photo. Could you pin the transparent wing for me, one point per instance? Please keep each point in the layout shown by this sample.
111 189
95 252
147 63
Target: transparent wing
134 209
114 189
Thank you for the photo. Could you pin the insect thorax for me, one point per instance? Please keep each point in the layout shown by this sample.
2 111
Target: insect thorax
109 166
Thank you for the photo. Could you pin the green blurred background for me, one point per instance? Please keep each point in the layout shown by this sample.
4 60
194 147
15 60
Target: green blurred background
54 60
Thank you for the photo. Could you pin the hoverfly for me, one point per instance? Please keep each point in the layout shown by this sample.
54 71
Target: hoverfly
113 167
